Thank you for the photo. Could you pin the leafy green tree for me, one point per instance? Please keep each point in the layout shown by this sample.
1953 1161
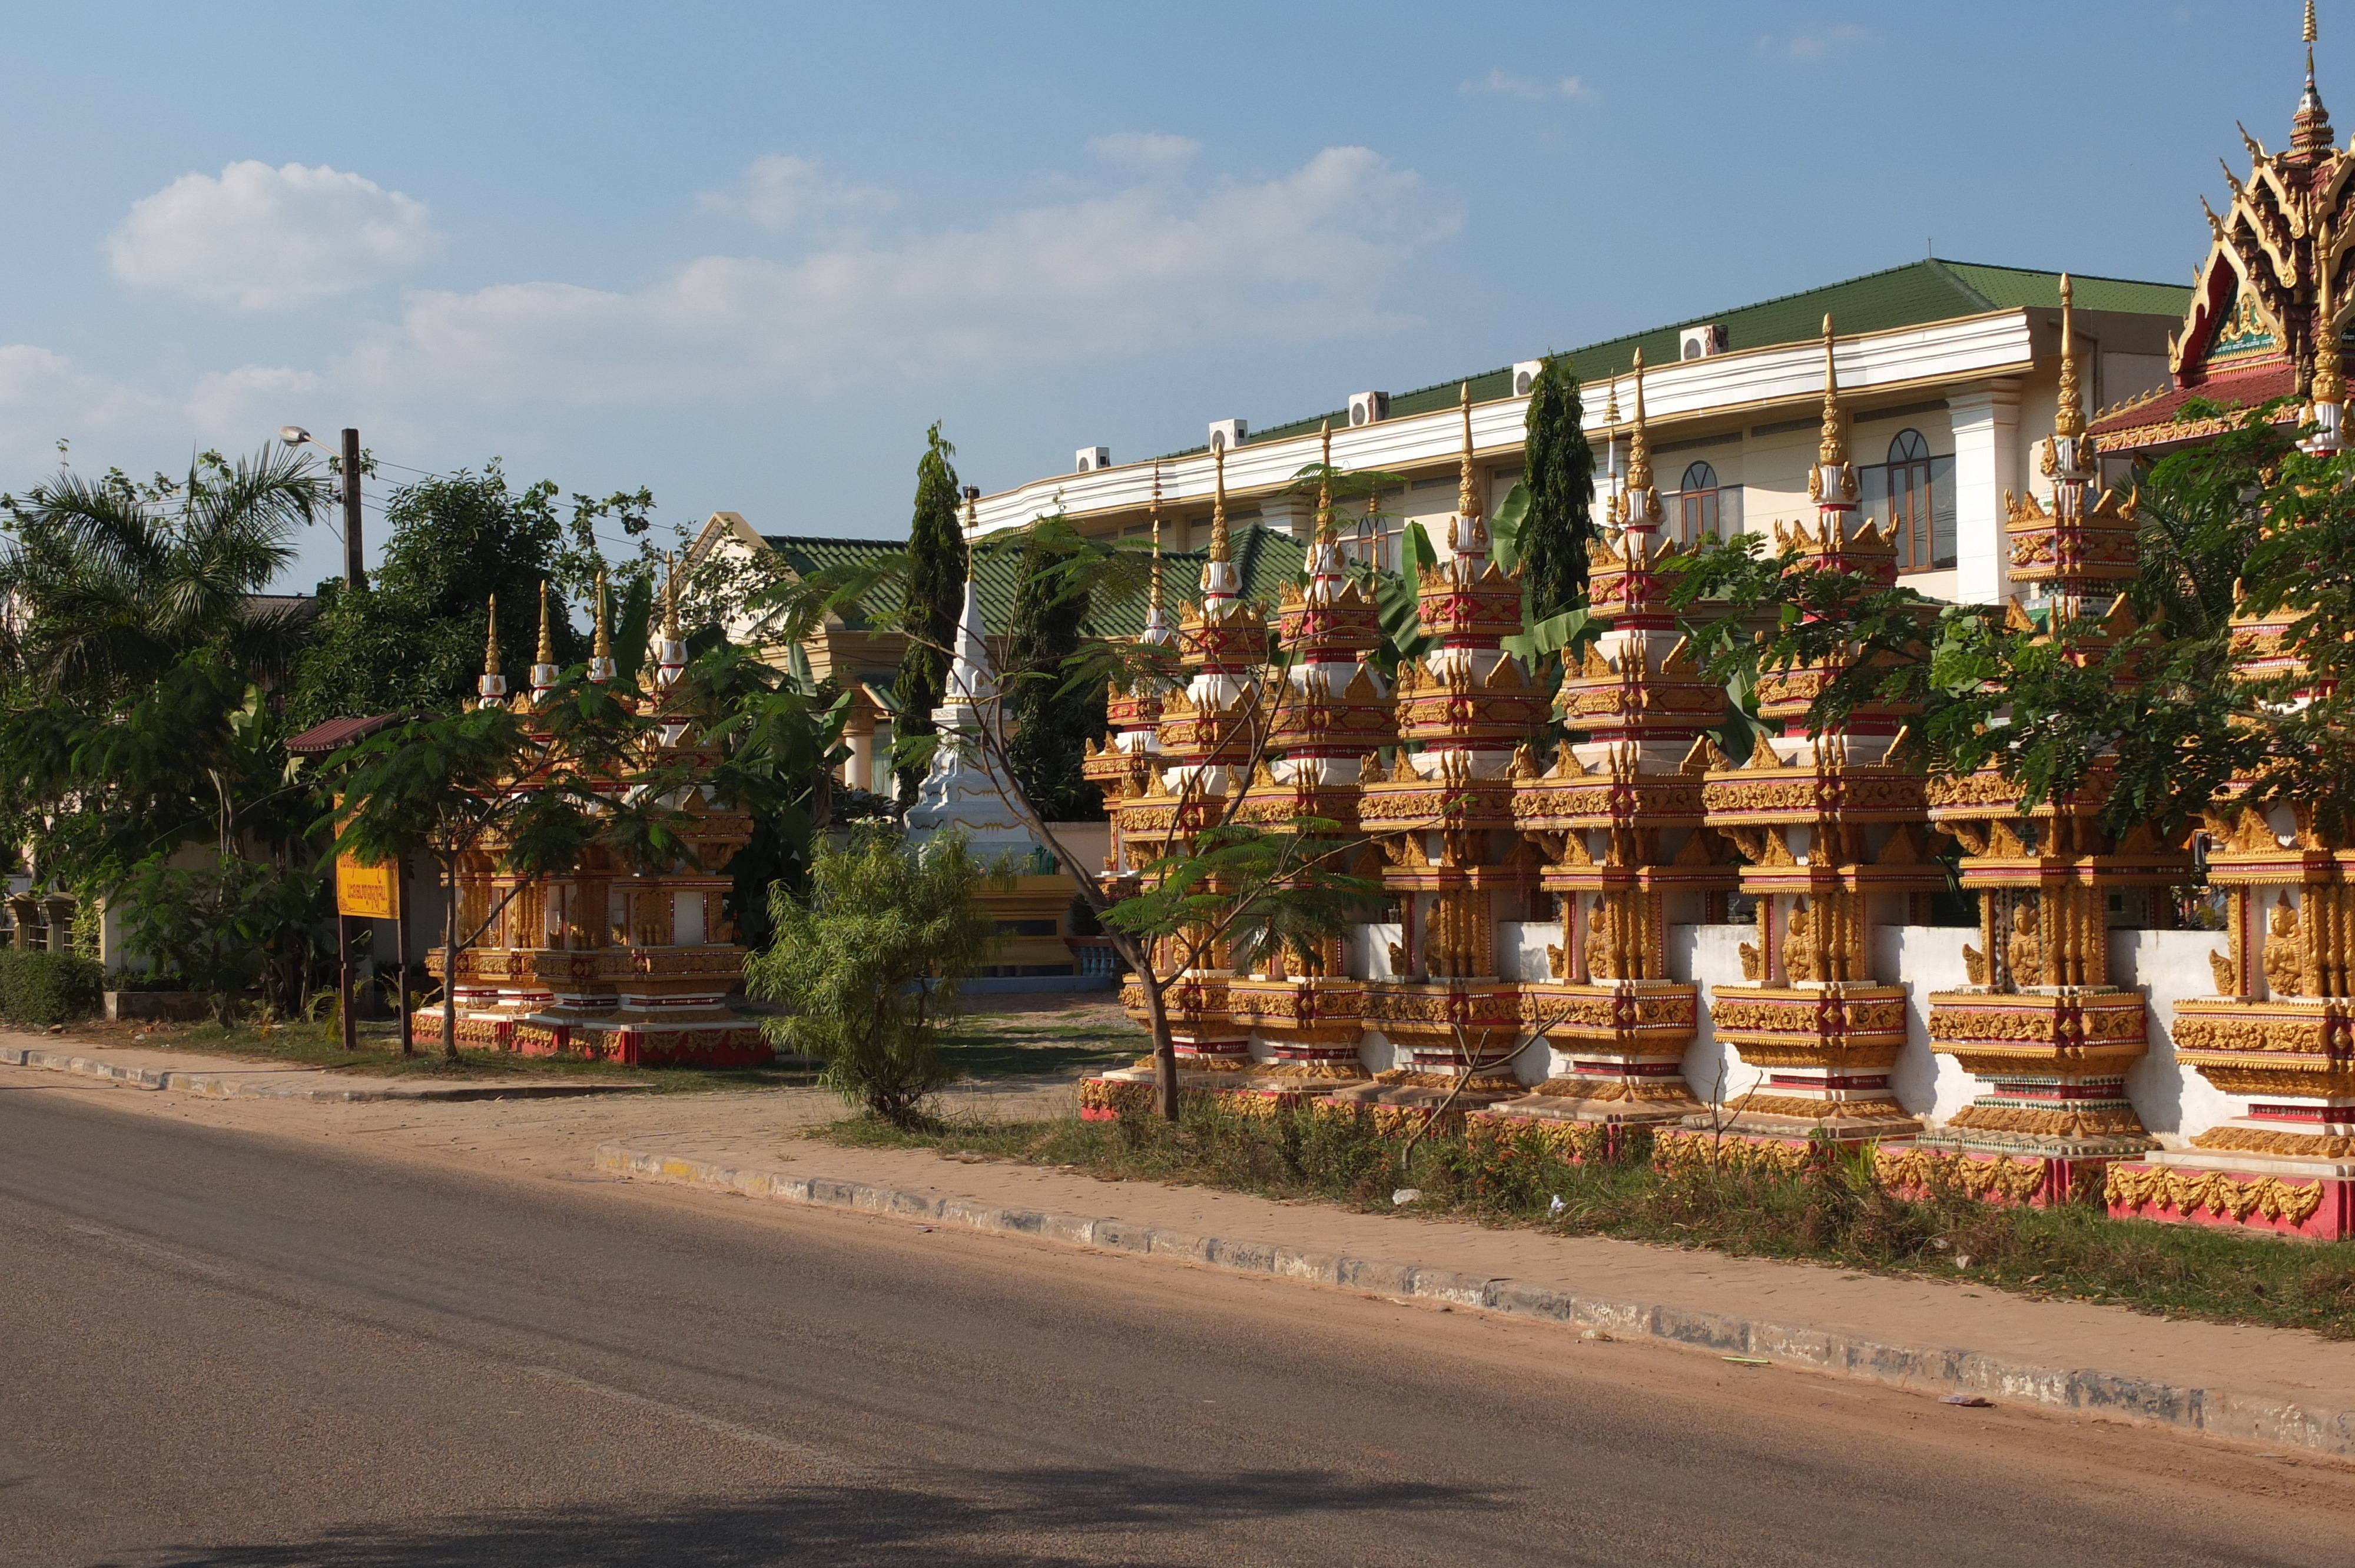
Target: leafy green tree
1053 716
115 582
866 966
411 640
1560 476
934 583
233 925
780 738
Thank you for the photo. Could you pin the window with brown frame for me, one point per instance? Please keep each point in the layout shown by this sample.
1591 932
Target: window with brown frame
1912 497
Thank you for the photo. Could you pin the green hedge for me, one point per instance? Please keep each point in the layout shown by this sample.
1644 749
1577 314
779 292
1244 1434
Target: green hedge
40 989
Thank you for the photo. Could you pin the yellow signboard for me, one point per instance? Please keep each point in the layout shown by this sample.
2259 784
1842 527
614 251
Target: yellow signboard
366 892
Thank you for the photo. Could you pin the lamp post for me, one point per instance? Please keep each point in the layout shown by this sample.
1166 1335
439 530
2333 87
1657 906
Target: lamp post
356 577
355 574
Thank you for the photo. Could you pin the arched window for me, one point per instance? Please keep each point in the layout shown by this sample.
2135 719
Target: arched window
1696 514
1910 504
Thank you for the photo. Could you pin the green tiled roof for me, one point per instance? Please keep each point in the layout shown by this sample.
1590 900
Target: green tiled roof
1913 295
1269 559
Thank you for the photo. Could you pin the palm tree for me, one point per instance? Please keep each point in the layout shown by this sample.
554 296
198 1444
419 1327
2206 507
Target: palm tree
109 584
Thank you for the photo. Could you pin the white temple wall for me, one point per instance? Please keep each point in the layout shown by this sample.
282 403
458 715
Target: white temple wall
1927 958
2174 1102
1709 956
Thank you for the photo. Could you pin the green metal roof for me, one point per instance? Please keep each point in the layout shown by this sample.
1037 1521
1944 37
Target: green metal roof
1915 294
1268 558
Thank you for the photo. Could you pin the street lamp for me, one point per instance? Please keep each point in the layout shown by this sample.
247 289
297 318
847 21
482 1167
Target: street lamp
354 574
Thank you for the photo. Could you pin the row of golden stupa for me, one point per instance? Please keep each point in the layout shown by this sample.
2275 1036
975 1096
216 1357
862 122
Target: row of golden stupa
1641 822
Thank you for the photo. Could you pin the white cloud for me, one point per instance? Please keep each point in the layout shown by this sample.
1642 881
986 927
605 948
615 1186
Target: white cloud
779 193
1308 255
259 238
1816 44
1502 84
1146 149
232 405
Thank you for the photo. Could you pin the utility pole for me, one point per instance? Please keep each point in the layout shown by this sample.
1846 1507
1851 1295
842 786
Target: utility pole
355 576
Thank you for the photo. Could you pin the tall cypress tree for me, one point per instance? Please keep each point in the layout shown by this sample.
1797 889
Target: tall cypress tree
1560 480
1051 726
935 596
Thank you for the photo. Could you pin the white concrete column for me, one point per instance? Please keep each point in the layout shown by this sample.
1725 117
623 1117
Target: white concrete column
1289 514
1987 466
858 770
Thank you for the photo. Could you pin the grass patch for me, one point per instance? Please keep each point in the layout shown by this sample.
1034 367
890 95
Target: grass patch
1834 1216
1020 1044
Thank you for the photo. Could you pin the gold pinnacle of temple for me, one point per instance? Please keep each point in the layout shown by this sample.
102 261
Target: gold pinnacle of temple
1326 532
604 647
1832 451
1467 488
1611 407
2069 417
491 643
972 522
670 599
1639 440
1157 534
1218 501
2330 372
547 634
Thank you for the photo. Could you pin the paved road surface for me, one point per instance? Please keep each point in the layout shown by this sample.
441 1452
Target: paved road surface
234 1349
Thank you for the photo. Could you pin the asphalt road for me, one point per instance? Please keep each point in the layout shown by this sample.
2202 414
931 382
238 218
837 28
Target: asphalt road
234 1349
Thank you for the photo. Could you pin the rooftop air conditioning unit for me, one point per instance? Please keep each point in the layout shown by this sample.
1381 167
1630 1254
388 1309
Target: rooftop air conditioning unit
1229 434
1525 376
1700 342
1369 408
1091 458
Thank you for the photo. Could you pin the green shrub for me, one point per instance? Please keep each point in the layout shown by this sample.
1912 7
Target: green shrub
38 989
864 970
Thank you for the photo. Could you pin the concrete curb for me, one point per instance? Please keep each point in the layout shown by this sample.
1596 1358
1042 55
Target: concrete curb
235 1086
2218 1413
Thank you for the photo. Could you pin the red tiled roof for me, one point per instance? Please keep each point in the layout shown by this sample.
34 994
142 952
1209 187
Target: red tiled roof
2149 424
337 734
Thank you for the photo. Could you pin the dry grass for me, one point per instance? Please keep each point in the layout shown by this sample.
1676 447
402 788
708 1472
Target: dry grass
1836 1215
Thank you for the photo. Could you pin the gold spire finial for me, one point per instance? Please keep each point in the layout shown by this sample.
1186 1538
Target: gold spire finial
2330 372
2069 417
972 522
1832 451
2312 35
603 648
547 634
670 599
1157 534
491 643
1639 440
1326 532
1218 501
1611 407
1467 487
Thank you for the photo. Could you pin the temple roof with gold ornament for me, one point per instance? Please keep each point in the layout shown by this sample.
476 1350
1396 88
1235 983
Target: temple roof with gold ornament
2252 333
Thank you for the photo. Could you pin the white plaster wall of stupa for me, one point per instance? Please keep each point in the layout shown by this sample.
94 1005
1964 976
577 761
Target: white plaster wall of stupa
1930 959
1709 956
2174 1102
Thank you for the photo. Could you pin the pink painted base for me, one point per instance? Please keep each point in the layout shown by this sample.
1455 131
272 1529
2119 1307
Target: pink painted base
2332 1219
2057 1181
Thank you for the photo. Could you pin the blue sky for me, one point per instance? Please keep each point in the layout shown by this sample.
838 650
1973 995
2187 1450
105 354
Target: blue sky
744 254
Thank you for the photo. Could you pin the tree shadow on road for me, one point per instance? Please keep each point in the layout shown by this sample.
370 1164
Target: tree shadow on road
972 1519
